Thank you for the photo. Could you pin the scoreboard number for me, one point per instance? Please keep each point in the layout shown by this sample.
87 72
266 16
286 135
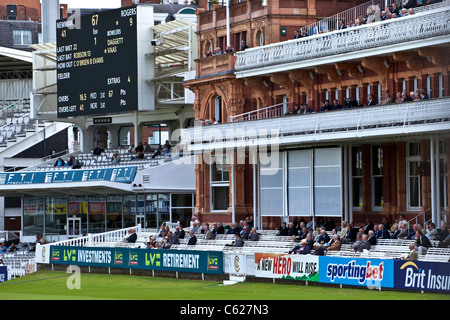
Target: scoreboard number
94 19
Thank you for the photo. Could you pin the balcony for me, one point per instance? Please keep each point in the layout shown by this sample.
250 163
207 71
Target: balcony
379 122
215 65
424 29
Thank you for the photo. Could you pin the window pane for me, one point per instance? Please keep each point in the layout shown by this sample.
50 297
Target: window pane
272 202
181 200
220 198
33 215
357 192
414 192
378 191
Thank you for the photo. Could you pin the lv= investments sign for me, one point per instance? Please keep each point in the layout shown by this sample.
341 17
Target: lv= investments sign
287 266
135 258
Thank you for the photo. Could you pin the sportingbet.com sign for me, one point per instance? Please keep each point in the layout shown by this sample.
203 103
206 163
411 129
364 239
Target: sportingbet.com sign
358 272
150 259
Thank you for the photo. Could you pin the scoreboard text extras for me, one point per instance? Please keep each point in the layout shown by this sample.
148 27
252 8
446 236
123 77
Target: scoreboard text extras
97 63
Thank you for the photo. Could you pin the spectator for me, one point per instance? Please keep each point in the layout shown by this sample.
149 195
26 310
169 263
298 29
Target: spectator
318 250
253 236
131 150
192 238
413 254
304 249
344 230
157 152
171 240
245 232
398 98
1 263
382 233
372 239
368 226
283 230
325 106
342 25
238 242
139 148
305 109
292 230
296 109
70 161
444 243
132 237
422 242
140 155
243 45
12 248
396 232
336 105
3 248
357 244
296 34
217 51
323 237
229 48
147 147
335 245
234 228
387 99
115 158
365 243
59 162
432 232
444 232
98 151
77 164
208 233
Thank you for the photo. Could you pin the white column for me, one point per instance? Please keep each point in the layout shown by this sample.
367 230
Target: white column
433 180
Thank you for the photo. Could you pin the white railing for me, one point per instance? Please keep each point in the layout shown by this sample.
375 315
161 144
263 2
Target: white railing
384 120
425 25
332 23
274 111
98 238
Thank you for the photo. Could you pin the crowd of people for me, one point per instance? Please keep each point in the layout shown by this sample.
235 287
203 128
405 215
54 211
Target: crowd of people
363 237
374 14
349 103
218 50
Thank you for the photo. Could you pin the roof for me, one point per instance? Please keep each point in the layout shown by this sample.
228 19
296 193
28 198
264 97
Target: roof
15 60
174 49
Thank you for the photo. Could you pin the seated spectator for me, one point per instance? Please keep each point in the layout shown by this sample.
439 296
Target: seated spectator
336 105
422 242
444 232
147 147
283 230
192 238
217 51
243 45
218 228
208 233
358 243
296 109
372 239
344 230
12 247
115 158
304 249
171 240
253 236
323 237
413 254
131 150
70 161
335 245
77 164
132 237
432 232
98 151
423 95
1 263
318 250
342 25
3 248
381 232
398 98
238 242
140 155
403 234
444 243
229 48
395 9
139 148
325 106
395 232
59 162
157 152
387 99
305 109
406 97
234 228
292 230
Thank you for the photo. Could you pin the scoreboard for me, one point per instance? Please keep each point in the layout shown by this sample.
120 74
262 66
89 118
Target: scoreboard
97 67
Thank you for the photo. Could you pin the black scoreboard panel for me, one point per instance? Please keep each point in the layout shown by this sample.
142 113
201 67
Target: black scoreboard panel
97 63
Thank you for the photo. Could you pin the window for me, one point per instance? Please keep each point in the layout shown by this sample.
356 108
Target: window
22 37
218 108
357 193
377 177
299 183
220 183
414 194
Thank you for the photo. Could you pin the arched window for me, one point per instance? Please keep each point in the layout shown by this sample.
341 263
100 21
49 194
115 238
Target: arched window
218 108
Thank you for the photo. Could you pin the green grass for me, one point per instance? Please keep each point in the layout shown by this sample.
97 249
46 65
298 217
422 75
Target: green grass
48 285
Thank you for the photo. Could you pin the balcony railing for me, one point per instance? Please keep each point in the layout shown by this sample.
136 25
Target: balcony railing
425 116
421 26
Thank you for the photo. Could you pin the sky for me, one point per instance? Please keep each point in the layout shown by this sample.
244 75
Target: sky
91 3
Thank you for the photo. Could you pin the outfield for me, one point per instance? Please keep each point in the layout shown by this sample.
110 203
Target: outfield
52 285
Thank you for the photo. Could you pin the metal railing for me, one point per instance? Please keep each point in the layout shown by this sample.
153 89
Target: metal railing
98 238
421 26
274 111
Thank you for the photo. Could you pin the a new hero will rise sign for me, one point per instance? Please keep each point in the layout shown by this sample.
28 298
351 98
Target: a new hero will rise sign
97 63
